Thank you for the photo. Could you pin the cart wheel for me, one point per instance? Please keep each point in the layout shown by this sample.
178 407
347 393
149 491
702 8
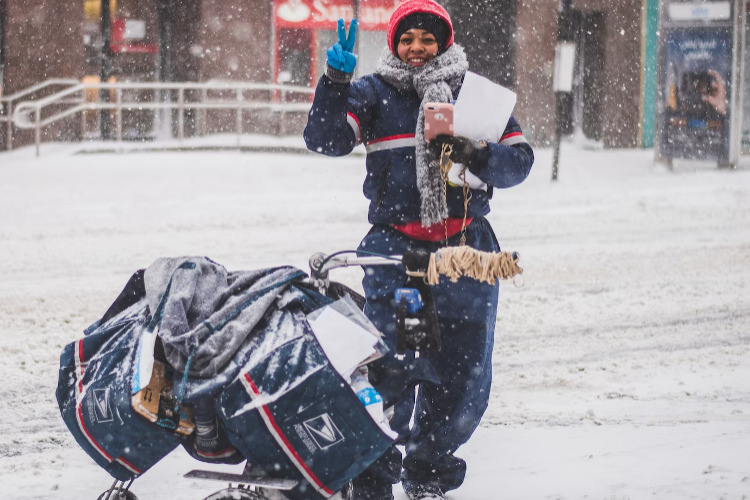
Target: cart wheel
117 495
119 491
235 494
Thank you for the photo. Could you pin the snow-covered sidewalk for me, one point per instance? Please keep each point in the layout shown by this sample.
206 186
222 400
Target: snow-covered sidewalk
622 366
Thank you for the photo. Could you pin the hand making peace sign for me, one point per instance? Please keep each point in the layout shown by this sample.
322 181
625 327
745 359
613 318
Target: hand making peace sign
340 54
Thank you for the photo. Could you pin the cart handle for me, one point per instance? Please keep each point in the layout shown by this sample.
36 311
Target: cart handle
452 262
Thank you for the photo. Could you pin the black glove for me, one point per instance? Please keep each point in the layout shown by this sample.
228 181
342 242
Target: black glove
464 149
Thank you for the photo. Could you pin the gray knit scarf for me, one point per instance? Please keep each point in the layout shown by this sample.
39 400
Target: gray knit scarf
436 81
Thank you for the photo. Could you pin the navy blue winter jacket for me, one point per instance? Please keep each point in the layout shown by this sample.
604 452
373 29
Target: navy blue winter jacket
371 111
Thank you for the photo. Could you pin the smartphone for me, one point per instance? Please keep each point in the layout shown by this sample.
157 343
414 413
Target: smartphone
438 120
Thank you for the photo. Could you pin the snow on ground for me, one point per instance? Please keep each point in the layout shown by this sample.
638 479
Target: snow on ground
622 366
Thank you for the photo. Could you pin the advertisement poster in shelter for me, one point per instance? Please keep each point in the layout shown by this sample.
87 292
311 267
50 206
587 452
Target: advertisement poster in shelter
696 87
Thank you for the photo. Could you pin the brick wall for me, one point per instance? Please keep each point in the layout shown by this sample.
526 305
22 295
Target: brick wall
536 37
622 67
216 39
43 40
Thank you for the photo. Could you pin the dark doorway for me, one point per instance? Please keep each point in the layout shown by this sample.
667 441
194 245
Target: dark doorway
590 76
294 57
583 107
179 33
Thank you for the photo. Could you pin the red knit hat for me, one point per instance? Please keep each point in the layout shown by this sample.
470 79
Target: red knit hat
408 7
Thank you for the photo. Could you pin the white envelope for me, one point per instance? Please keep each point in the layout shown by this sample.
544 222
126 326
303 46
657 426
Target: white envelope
481 112
345 343
482 109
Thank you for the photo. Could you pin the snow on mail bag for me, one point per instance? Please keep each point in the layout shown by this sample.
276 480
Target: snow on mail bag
94 390
292 414
278 398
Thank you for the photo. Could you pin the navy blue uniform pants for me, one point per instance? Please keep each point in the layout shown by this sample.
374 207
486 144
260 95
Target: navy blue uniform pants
445 415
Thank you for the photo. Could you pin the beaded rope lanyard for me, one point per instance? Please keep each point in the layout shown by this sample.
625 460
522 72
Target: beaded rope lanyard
445 165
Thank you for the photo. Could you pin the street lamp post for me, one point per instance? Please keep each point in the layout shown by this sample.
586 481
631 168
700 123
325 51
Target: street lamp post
106 65
565 53
165 40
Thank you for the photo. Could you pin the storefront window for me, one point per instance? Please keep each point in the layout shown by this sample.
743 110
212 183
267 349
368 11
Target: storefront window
369 48
294 57
132 57
134 36
318 19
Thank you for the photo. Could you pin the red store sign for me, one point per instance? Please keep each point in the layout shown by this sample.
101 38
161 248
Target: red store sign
323 14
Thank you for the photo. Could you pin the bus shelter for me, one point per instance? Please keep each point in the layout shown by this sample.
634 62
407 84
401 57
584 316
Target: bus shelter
701 80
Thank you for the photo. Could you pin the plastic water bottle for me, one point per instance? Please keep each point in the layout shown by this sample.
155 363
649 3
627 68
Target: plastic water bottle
370 398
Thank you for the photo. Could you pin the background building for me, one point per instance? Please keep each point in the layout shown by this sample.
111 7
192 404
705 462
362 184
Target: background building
609 83
510 41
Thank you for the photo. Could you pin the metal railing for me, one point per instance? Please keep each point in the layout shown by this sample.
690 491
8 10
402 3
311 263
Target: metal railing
279 99
7 103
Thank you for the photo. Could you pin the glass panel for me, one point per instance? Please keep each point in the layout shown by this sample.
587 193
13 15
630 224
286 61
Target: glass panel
370 47
294 57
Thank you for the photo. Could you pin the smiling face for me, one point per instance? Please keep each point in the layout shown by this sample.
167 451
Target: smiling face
417 46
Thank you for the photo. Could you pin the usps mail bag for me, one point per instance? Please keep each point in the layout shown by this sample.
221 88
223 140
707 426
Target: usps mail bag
94 390
292 414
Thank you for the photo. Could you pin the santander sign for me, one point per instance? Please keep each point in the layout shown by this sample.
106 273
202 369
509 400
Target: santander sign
323 14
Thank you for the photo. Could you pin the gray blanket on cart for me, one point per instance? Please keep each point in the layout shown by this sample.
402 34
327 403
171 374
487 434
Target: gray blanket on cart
208 312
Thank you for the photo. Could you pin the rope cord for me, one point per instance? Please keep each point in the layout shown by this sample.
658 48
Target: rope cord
467 198
445 166
454 262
